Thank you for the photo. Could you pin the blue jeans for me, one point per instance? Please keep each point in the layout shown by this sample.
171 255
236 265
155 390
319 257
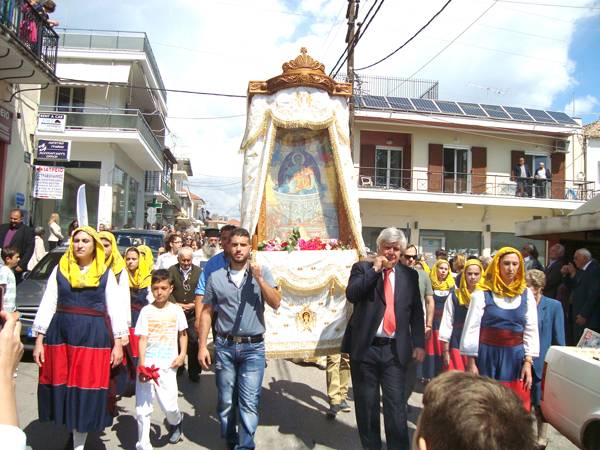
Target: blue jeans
239 369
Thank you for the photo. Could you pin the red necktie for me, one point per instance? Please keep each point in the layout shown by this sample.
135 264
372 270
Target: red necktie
389 317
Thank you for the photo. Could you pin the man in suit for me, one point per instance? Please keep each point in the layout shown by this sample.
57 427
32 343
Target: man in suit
16 234
522 175
385 332
556 259
542 177
584 283
185 277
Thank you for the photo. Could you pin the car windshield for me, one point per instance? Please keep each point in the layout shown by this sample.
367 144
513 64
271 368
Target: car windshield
125 239
43 269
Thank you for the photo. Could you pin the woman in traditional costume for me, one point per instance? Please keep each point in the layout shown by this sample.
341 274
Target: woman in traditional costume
455 311
442 283
116 263
79 327
139 269
500 337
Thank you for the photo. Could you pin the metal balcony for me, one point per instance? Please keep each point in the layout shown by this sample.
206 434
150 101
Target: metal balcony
28 44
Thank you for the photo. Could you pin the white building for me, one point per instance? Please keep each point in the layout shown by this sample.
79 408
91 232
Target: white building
442 171
592 156
115 104
27 61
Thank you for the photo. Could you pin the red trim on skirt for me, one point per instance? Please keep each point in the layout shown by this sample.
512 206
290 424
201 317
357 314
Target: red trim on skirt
433 345
457 361
82 367
518 387
134 342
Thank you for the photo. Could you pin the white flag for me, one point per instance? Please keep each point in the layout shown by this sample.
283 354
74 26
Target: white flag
82 215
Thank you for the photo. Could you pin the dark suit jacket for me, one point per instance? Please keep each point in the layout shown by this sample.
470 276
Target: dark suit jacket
585 288
553 278
517 171
24 240
365 291
548 173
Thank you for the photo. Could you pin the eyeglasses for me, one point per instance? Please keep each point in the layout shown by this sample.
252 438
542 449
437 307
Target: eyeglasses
411 257
177 242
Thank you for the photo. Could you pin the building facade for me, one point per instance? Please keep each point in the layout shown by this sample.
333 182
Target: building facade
444 171
28 47
113 99
592 152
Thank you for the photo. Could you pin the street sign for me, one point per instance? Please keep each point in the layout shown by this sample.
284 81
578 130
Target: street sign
19 199
48 182
27 157
52 122
151 215
155 204
53 150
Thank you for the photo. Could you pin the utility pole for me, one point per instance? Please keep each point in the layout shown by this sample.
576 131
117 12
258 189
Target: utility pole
351 15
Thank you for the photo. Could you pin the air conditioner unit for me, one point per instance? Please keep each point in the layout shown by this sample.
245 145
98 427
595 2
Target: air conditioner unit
561 146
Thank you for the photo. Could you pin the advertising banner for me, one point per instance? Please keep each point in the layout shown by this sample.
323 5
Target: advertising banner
53 150
52 122
48 182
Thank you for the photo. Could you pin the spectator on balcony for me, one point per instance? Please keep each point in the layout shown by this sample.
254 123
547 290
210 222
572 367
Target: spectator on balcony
541 179
522 175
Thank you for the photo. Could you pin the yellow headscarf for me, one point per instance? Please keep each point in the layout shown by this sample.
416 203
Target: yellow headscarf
425 266
142 276
494 283
441 285
115 260
69 267
462 293
148 256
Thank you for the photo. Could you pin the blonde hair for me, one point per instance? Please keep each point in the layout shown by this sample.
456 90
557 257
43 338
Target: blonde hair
459 262
54 217
535 278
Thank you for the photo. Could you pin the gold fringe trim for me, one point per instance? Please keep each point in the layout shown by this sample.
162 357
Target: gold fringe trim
333 279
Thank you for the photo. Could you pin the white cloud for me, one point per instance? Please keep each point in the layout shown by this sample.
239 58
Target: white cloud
519 50
582 105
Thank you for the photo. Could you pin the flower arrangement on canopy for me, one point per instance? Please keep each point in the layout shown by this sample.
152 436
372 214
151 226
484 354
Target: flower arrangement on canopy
295 242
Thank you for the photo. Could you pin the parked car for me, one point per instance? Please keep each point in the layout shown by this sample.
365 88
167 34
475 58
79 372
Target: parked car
571 394
31 289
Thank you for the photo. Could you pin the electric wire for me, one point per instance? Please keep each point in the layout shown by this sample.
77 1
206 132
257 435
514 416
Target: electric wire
555 5
409 39
444 48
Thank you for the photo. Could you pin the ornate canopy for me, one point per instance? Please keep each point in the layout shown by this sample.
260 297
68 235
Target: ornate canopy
302 71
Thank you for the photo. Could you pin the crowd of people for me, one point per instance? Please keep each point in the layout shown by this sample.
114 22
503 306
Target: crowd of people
112 325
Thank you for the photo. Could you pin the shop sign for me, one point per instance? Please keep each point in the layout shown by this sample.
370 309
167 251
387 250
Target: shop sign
52 122
5 125
53 150
48 182
19 199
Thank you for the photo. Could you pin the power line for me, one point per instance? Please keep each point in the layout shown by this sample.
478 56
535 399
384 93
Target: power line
357 38
206 118
409 39
148 88
556 5
445 47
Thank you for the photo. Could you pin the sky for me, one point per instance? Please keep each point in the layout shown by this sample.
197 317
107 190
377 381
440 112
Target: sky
513 52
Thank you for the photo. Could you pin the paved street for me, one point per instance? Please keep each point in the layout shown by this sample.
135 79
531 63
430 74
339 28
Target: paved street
292 415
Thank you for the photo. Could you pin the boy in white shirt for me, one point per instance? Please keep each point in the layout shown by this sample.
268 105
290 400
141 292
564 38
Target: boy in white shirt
8 284
160 325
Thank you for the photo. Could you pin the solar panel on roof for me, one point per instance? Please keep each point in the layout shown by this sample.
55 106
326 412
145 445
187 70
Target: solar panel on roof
561 117
357 102
400 103
448 107
423 104
518 113
495 111
472 109
539 115
375 101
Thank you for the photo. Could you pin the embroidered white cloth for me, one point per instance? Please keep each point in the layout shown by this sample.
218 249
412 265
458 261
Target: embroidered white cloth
313 314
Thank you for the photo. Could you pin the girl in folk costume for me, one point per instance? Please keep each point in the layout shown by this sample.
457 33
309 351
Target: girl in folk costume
81 320
442 283
455 311
500 336
139 268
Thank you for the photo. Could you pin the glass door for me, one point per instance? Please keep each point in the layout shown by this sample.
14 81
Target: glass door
541 186
388 168
456 170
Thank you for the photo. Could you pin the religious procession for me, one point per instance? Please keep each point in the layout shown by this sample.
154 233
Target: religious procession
379 269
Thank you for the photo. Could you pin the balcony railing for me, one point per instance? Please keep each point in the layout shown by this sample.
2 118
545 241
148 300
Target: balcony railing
154 182
471 184
113 119
30 28
112 40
